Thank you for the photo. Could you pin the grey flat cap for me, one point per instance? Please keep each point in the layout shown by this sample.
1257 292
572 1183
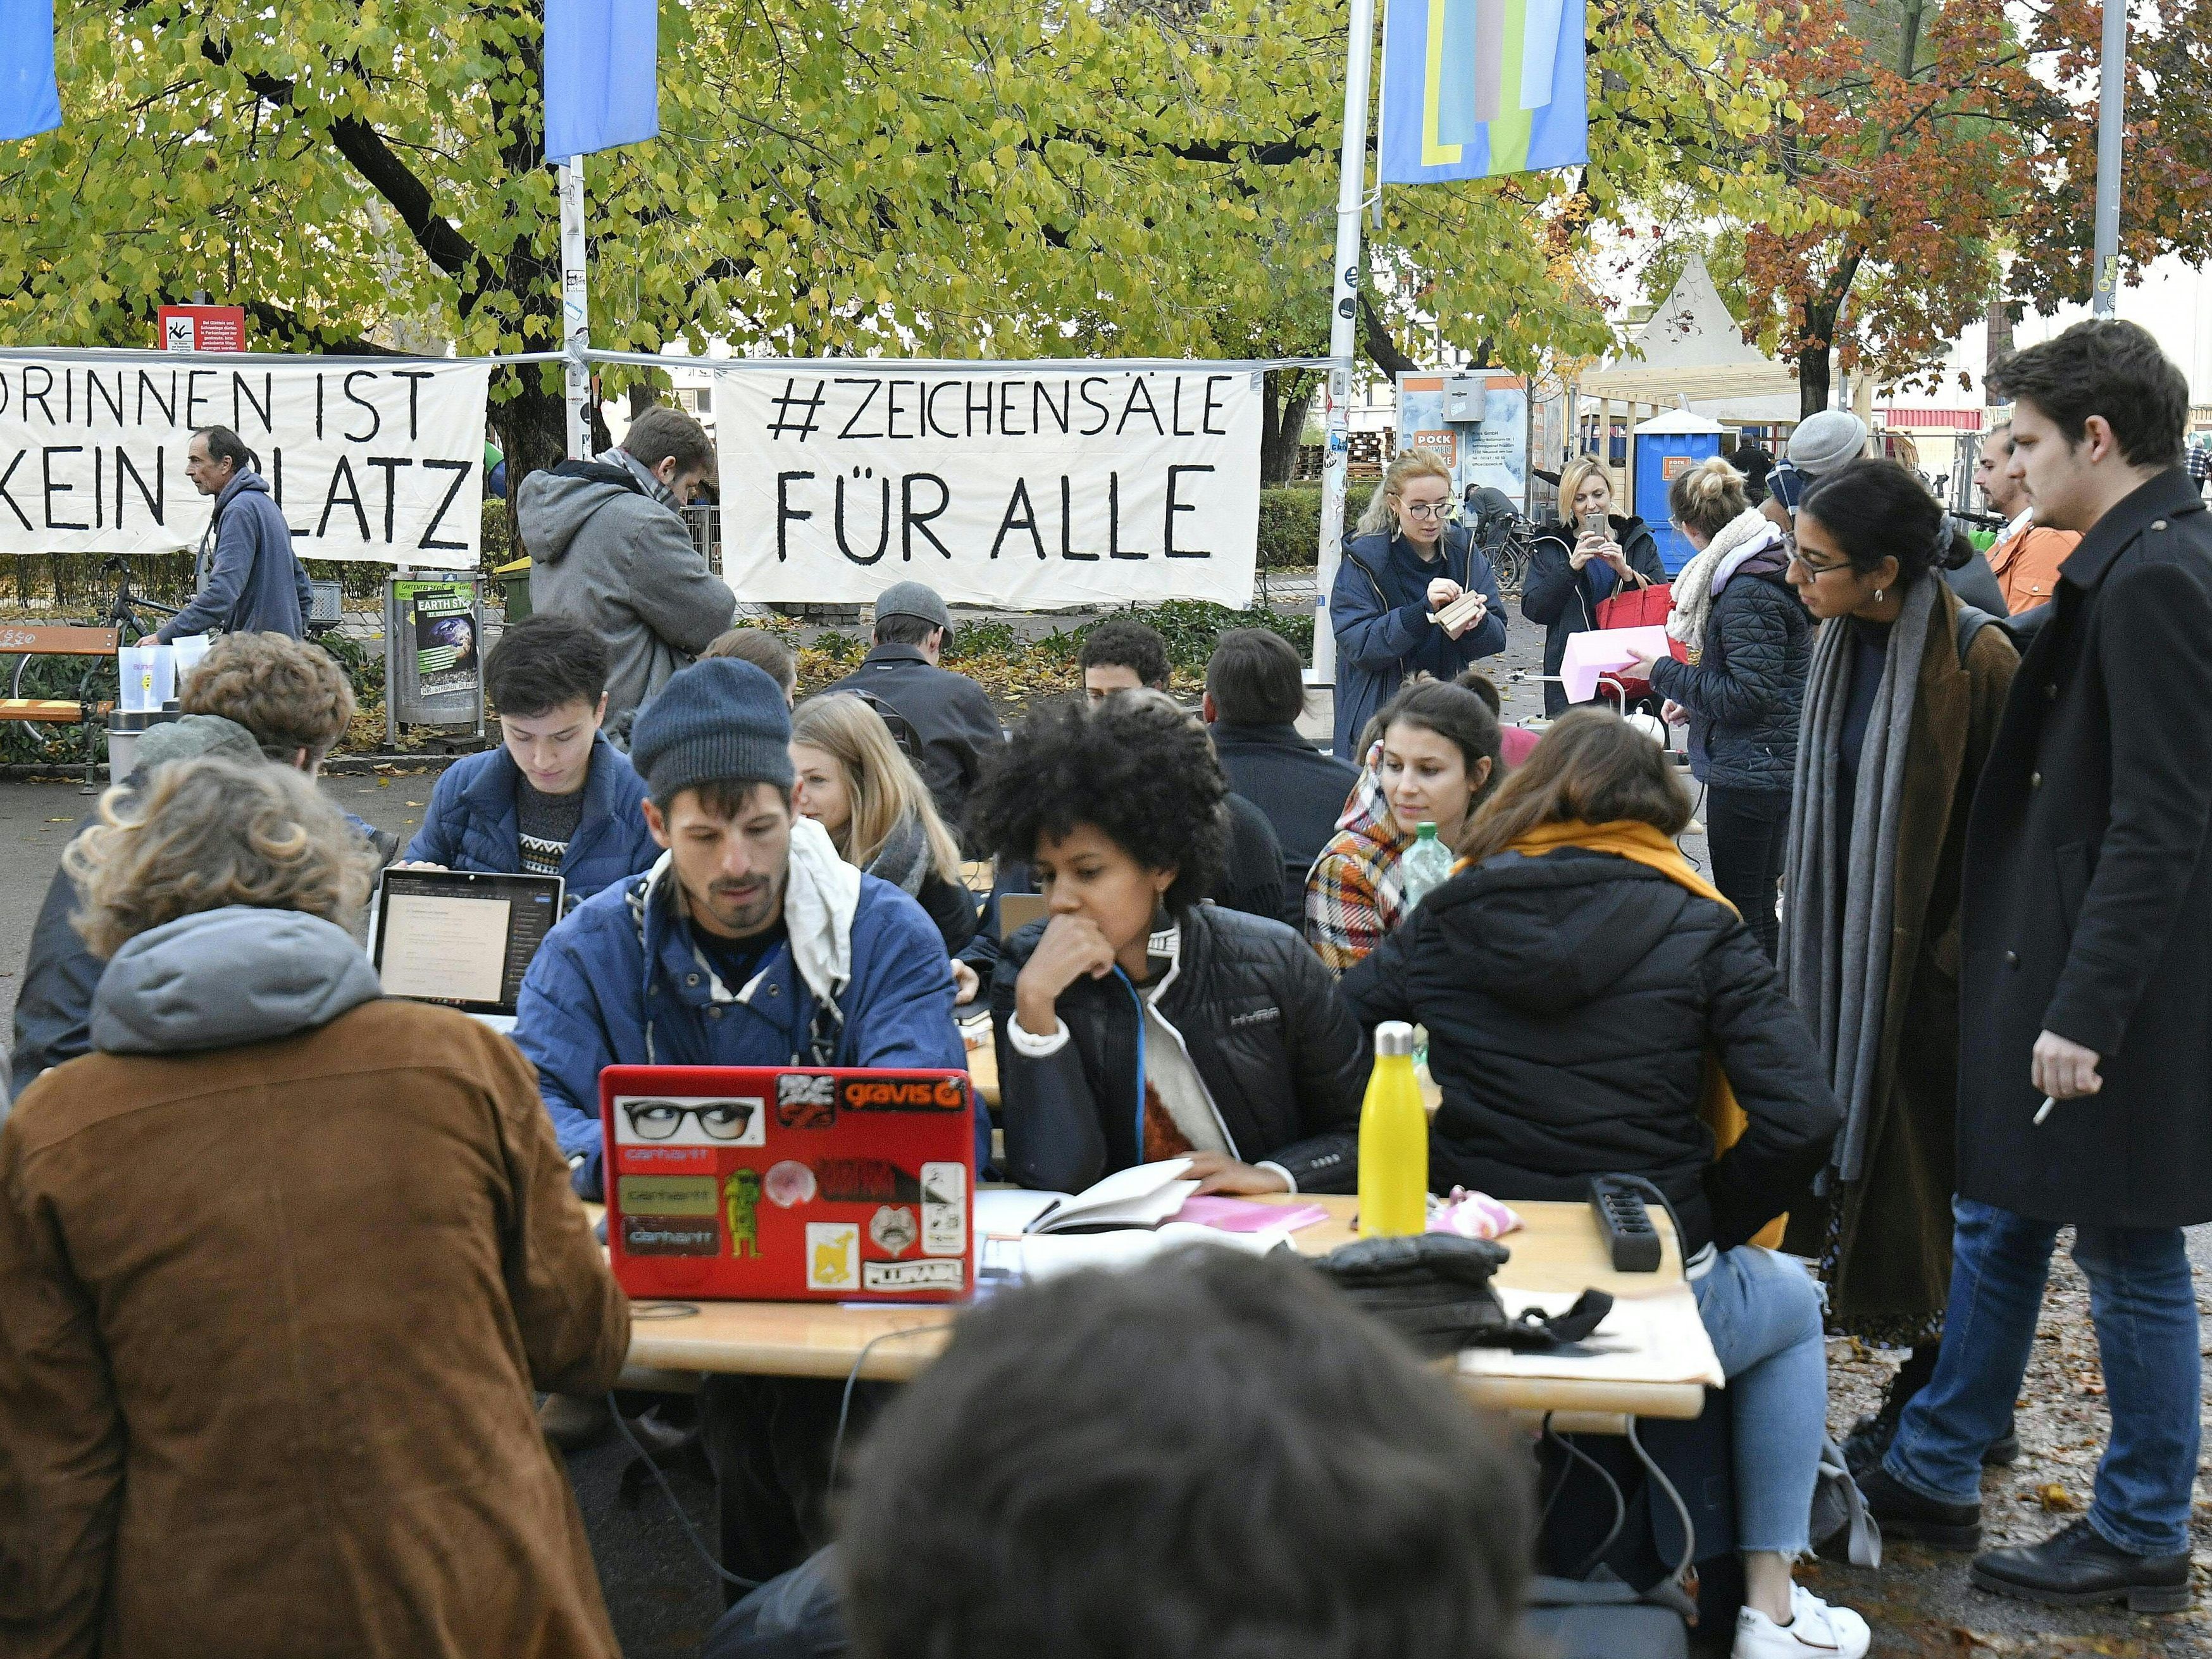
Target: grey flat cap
913 599
1826 442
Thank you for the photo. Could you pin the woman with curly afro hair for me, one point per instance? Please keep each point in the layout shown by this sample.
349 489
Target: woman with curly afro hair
1136 1022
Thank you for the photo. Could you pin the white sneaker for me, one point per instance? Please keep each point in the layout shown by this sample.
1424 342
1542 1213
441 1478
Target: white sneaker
1815 1630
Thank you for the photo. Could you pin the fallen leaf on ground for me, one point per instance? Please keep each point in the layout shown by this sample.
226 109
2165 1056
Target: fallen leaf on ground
2057 1499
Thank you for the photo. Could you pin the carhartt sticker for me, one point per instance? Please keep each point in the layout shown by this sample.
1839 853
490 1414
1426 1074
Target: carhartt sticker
894 1230
832 1255
666 1195
659 1235
741 1195
944 1209
913 1275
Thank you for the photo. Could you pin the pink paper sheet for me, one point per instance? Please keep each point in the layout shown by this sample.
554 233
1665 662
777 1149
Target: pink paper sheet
1237 1215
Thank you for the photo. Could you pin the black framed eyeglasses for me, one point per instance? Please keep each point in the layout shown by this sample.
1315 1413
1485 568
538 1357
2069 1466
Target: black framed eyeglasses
718 1120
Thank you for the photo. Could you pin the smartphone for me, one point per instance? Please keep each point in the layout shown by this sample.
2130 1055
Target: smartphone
1594 524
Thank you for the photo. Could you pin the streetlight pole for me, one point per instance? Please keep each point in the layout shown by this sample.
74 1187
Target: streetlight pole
2112 114
1343 320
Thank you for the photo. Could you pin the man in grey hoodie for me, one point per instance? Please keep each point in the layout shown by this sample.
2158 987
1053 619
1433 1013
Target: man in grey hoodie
609 547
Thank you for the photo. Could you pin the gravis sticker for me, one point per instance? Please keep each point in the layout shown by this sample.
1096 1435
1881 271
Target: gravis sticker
832 1255
944 1209
913 1275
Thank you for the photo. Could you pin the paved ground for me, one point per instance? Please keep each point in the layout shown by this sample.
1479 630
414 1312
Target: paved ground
663 1599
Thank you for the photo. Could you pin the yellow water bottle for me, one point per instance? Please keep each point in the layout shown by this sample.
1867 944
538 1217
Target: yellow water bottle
1393 1141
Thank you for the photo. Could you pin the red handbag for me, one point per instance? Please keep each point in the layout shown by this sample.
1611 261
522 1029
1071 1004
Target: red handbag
1640 607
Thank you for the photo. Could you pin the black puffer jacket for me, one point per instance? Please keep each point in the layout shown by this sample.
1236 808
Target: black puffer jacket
1746 690
1557 595
1263 1023
1570 1000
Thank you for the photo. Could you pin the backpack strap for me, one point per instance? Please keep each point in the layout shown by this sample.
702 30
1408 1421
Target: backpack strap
1972 621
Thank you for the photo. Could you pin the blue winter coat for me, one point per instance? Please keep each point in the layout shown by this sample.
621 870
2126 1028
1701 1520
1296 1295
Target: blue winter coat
249 580
1379 608
1746 688
473 822
620 982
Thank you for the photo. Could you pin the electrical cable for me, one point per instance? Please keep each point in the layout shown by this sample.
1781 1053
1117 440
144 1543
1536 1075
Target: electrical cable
667 1492
852 1379
1652 1471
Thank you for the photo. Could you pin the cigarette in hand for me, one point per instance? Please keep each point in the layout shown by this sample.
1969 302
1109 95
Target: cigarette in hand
2044 1110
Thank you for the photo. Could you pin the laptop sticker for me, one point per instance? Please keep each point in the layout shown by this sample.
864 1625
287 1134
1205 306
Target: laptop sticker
741 1193
790 1182
893 1229
876 1094
832 1255
944 1209
922 1275
806 1101
655 1235
690 1120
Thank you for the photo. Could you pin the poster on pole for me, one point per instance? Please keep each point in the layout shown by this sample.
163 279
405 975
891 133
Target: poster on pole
1026 486
1488 452
378 461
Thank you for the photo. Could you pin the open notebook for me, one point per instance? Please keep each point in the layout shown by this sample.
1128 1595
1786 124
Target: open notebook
1143 1195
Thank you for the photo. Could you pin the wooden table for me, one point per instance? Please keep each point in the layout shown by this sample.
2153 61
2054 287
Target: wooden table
1558 1250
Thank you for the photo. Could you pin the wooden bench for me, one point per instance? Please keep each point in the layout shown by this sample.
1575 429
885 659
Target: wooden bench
25 640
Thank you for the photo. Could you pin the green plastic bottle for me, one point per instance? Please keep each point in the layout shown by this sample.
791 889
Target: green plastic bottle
1393 1141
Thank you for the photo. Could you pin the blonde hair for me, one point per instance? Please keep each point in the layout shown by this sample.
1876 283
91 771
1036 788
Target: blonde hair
1572 477
1708 498
208 833
1381 505
879 780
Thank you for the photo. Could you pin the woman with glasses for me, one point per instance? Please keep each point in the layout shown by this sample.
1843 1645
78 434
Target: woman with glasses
1901 706
1389 606
1748 643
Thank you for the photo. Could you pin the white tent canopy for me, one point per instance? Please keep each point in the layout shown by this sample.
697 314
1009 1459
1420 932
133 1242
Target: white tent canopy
1692 349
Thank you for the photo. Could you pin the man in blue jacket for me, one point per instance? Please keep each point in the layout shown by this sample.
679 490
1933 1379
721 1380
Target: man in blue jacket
556 798
749 943
250 581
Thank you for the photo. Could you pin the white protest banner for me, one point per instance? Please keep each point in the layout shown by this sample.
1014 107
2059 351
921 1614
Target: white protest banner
1022 485
370 460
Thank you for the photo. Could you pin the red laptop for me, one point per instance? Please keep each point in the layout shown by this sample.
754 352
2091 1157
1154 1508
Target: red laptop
773 1184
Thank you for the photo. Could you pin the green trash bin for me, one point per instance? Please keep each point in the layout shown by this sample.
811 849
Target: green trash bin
513 579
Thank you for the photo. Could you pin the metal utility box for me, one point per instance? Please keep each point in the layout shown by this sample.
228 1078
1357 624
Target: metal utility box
1464 396
1665 449
434 650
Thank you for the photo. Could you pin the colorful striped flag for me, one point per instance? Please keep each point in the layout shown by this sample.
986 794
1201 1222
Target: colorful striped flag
30 103
1478 88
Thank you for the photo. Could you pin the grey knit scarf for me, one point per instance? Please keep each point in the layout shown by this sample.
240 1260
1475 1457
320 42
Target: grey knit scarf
903 860
1836 924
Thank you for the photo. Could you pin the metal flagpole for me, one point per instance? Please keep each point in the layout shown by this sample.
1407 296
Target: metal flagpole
575 309
1351 187
2111 113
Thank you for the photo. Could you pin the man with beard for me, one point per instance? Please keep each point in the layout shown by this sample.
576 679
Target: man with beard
749 943
694 963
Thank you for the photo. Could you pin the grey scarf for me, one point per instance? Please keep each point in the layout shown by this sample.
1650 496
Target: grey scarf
903 860
1835 926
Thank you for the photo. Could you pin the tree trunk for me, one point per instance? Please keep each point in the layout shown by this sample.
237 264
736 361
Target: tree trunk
1284 405
1813 382
533 435
2000 339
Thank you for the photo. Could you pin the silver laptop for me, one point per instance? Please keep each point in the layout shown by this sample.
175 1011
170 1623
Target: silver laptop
461 938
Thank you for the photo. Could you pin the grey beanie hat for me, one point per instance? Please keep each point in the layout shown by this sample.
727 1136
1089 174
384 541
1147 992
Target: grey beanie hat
913 599
719 721
1826 442
189 739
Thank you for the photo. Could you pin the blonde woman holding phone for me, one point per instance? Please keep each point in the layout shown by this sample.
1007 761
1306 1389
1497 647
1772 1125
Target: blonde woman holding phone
1578 564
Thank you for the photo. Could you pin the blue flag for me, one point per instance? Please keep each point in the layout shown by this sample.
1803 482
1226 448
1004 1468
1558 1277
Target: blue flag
1479 88
602 84
29 101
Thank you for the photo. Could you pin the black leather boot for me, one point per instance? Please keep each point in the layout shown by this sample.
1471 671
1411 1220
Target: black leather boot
1868 1441
2078 1568
1904 1513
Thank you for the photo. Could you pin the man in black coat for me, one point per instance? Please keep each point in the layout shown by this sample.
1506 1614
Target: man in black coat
1254 694
950 715
2086 1038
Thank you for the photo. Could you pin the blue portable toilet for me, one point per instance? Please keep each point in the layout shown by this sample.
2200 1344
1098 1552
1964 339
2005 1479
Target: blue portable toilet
1665 448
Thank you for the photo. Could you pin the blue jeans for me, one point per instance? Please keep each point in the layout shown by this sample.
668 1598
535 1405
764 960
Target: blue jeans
1762 1312
2144 1305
